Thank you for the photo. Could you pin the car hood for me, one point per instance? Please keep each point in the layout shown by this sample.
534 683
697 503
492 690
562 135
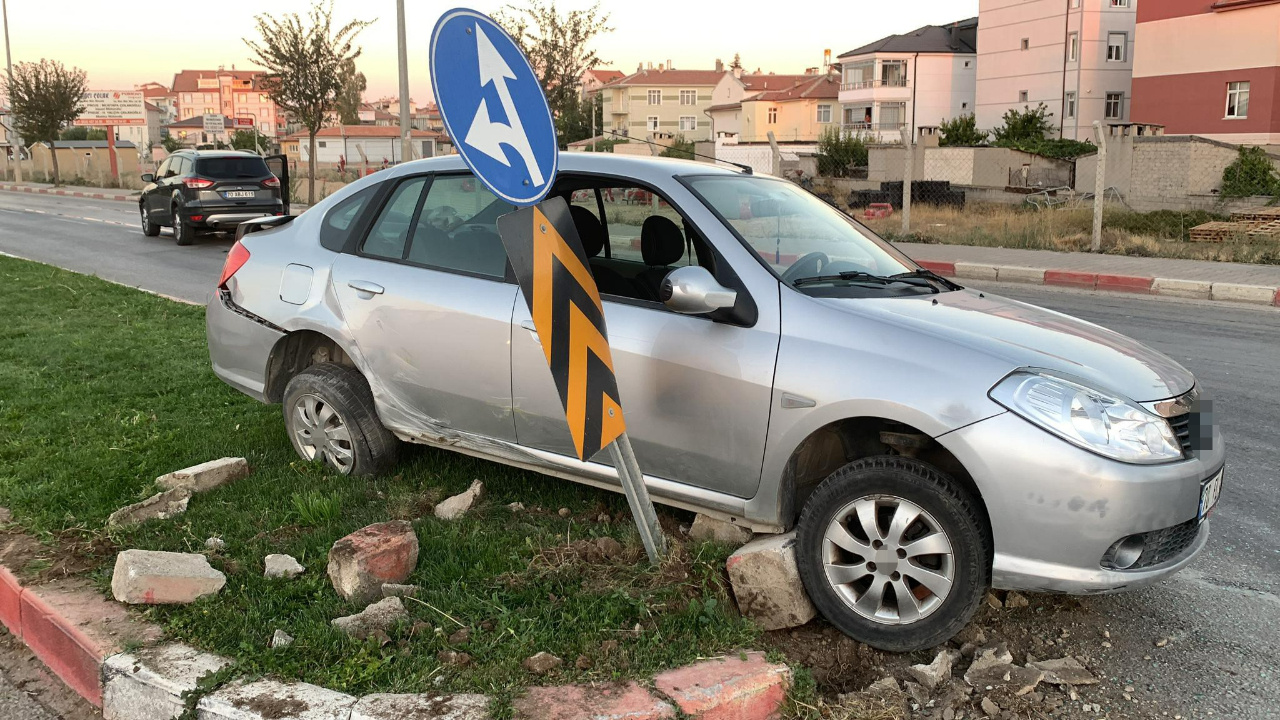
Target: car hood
1030 336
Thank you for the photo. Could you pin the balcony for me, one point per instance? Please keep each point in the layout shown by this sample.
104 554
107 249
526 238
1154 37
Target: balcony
877 132
897 89
867 84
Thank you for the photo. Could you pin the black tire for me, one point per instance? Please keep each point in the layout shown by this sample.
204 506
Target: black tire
954 510
373 448
183 232
149 228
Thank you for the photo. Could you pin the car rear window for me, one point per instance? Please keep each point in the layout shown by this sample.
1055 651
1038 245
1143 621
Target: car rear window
231 168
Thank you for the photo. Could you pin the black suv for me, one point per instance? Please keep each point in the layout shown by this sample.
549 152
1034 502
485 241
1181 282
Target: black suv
207 189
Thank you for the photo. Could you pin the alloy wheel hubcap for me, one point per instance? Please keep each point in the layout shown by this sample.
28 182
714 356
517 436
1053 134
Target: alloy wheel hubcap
888 559
146 219
321 433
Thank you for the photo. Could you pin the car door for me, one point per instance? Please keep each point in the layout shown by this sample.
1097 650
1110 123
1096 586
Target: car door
427 297
696 393
157 191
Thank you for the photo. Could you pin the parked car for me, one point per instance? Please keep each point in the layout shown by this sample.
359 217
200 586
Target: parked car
781 368
193 190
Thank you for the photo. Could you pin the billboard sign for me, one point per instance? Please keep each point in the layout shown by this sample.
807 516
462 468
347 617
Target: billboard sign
215 124
112 107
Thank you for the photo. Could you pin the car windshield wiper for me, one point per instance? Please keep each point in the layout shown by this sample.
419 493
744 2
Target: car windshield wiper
928 275
860 276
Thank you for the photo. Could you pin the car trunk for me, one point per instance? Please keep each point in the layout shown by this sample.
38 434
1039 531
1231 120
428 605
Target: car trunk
237 181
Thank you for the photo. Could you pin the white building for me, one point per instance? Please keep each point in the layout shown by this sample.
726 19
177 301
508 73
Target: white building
143 136
345 143
920 78
1075 56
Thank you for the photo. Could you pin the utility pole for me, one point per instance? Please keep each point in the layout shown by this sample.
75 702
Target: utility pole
15 142
405 125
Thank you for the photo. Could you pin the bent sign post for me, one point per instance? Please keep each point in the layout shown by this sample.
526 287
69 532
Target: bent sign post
491 101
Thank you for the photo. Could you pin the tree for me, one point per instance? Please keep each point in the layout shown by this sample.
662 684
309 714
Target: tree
80 132
250 141
1252 173
305 63
962 132
558 47
737 62
352 94
839 152
1025 124
679 148
171 143
44 98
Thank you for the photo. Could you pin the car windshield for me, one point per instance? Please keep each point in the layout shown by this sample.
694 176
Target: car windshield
806 241
231 168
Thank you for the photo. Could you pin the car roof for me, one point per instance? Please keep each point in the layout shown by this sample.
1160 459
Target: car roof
218 153
645 168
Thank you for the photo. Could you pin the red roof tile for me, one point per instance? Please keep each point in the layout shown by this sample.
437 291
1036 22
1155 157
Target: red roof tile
686 78
758 83
822 87
188 80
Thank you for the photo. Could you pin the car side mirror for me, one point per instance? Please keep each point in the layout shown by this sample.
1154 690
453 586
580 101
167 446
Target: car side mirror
693 290
148 177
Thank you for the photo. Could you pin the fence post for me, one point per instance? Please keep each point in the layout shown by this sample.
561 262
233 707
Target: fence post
907 172
1100 185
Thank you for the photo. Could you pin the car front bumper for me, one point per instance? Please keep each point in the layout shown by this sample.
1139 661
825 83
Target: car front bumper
1056 509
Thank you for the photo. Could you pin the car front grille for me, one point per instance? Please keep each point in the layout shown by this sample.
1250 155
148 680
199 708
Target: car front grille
1182 429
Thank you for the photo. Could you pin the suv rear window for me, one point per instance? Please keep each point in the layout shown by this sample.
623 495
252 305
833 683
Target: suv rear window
231 168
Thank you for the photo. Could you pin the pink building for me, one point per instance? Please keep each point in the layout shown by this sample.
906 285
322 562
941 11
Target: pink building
1209 68
234 93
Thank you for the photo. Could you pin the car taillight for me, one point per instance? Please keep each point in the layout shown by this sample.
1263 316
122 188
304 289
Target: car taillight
197 183
272 182
237 256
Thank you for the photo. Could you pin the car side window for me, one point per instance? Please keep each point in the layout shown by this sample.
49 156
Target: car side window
389 236
180 165
338 224
457 228
163 170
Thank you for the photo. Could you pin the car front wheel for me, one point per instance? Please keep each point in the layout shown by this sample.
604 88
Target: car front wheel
330 417
894 553
149 228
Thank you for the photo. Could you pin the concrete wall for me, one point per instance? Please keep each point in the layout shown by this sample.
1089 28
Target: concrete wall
92 164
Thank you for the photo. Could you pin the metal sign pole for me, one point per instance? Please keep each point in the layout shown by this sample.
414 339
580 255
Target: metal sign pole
646 518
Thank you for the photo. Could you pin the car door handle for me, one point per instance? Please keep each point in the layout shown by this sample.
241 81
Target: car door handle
365 287
528 325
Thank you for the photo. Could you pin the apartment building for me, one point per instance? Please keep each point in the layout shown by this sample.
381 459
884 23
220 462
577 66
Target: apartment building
727 117
596 78
234 93
796 114
1209 68
920 78
666 103
1075 56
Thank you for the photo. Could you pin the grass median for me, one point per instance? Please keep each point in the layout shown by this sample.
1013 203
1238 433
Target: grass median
104 388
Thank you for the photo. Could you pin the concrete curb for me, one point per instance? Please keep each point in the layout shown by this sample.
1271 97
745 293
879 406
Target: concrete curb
1199 289
31 190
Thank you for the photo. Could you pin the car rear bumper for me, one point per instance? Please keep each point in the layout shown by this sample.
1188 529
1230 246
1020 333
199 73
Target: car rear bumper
228 216
1056 510
240 345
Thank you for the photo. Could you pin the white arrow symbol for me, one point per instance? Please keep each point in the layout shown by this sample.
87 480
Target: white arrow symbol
489 136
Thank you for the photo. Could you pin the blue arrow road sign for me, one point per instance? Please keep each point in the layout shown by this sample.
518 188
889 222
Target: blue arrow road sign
493 106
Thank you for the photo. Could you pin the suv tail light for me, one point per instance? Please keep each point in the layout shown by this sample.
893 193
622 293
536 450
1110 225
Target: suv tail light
237 256
271 182
197 183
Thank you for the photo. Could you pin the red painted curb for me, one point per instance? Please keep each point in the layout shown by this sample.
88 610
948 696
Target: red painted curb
1070 278
1126 283
1277 300
942 268
64 649
11 602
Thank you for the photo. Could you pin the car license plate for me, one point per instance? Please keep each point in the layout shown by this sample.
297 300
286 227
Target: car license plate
1210 491
239 194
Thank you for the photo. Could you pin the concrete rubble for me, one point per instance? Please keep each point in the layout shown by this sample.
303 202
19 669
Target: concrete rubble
207 475
458 505
160 506
766 583
706 528
380 616
281 566
362 562
148 577
148 684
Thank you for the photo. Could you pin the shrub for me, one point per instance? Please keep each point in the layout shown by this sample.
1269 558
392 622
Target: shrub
1023 125
1252 173
679 148
962 132
840 152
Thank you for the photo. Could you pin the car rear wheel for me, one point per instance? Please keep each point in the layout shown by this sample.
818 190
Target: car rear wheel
894 553
149 228
330 417
183 232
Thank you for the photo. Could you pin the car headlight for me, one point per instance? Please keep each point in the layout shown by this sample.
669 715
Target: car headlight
1097 421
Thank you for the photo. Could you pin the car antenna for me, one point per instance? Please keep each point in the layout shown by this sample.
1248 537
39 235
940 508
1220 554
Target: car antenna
746 169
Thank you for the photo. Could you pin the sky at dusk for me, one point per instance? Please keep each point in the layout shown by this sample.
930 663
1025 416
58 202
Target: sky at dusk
121 48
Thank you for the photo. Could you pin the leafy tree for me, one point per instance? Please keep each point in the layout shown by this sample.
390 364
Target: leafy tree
171 143
83 133
839 152
245 140
44 98
575 122
1252 173
680 147
305 62
737 62
962 132
558 47
352 94
1025 124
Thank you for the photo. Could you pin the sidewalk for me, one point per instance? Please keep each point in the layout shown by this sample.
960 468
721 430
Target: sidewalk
1203 279
93 193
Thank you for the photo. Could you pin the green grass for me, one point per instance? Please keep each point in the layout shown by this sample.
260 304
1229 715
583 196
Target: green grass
103 388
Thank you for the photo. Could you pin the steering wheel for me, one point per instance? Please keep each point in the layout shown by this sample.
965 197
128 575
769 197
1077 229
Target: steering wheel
801 267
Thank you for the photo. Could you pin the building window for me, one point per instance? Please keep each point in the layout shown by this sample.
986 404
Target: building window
1116 43
1026 43
1073 47
1119 3
1115 105
1069 105
652 123
824 114
1075 3
688 122
688 97
655 97
773 115
319 143
1022 96
1238 100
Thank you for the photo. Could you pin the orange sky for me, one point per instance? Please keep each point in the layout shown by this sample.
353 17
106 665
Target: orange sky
121 47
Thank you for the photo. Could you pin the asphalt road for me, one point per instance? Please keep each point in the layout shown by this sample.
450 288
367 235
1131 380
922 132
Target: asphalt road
1220 619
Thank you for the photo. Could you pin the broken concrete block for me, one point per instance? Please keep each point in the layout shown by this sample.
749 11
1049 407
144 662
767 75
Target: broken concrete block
206 476
215 544
149 683
1065 671
425 707
766 583
706 528
149 577
614 701
381 615
280 639
396 590
542 663
1020 680
362 562
934 673
157 507
274 700
458 505
281 566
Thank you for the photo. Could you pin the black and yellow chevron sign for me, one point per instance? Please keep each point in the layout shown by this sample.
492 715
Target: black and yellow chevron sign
552 270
